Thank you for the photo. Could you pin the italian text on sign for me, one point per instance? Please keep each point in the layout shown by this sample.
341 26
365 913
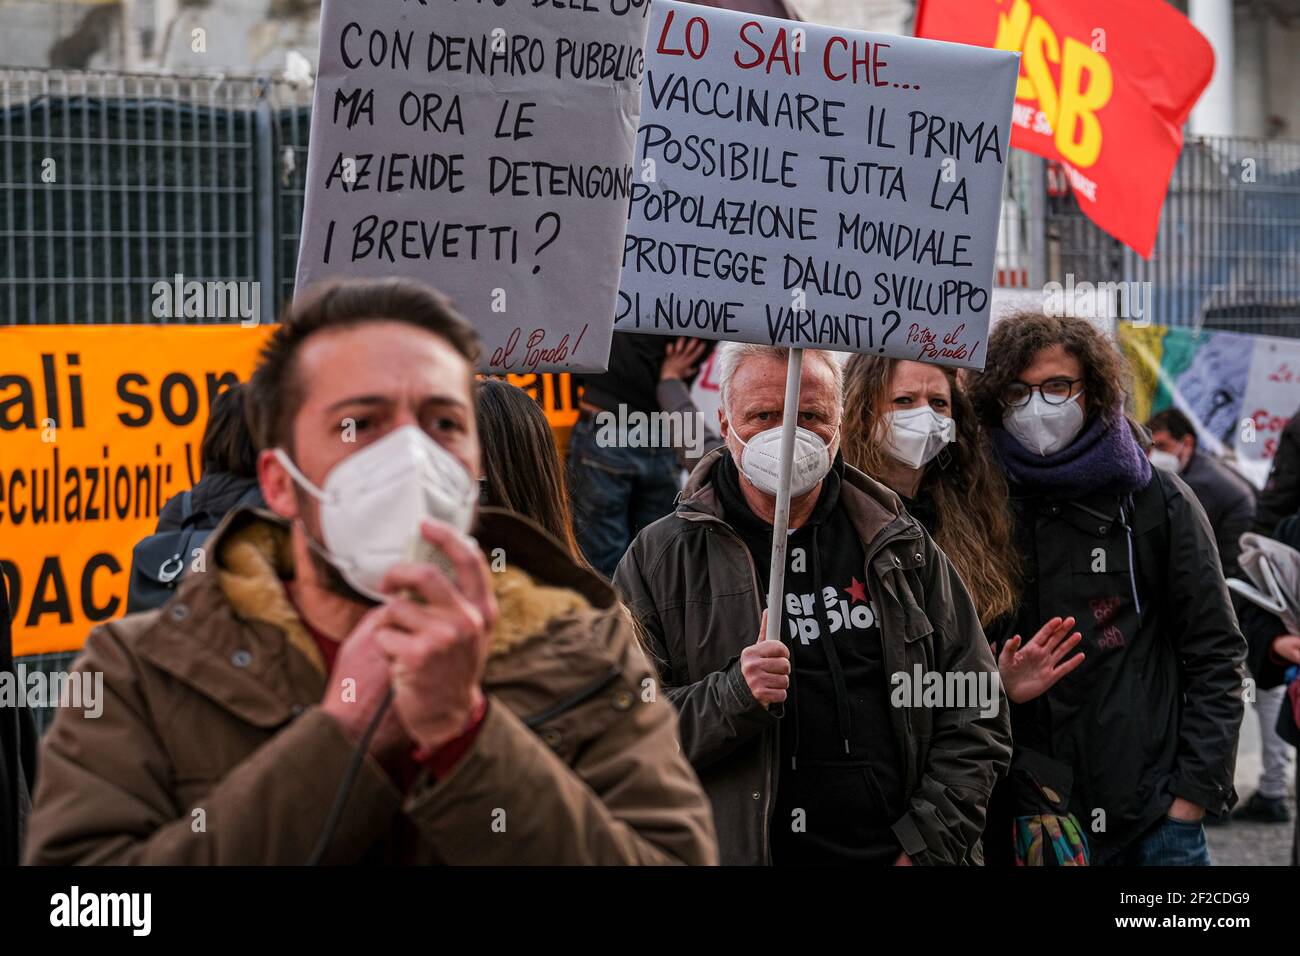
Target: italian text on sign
99 427
486 149
807 186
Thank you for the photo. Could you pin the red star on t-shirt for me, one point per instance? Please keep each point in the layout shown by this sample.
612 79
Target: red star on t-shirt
857 590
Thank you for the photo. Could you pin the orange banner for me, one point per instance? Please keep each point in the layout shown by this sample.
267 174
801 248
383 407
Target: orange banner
99 426
557 393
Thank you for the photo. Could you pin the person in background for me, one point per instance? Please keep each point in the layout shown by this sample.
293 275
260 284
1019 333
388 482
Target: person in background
1281 495
162 560
1229 504
521 468
1227 498
854 772
1143 735
229 460
480 697
1274 657
910 426
681 362
17 752
619 487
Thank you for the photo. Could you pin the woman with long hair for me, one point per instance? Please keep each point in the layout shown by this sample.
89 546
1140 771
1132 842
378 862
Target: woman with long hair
910 426
521 468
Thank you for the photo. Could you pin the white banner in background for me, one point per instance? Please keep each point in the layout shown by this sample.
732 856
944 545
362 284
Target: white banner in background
1238 390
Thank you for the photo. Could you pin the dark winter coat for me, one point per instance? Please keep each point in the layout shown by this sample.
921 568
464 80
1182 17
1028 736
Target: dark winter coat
691 583
216 493
1154 711
17 754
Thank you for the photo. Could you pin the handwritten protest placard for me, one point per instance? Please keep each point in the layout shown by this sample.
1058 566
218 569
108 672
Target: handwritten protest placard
484 148
807 186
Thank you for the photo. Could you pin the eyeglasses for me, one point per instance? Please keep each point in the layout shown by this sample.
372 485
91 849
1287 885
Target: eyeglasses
1055 391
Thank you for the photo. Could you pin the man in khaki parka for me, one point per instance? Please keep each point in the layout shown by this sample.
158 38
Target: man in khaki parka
521 727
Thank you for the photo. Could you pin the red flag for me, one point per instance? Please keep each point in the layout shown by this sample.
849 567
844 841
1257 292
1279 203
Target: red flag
1104 89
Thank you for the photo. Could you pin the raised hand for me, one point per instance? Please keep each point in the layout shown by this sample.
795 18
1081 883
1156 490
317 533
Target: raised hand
437 642
1287 647
681 358
1030 670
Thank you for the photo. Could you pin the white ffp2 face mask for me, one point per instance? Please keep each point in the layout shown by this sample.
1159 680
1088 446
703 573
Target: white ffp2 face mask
374 500
1042 427
916 435
760 460
1165 461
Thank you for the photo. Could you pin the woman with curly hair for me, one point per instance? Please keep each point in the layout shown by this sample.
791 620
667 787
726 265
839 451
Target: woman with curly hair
1140 741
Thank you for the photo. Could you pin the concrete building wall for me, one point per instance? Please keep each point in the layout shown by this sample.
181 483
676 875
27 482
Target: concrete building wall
877 16
237 36
1266 52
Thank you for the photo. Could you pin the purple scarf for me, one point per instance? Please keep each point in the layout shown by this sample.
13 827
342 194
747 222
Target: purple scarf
1103 458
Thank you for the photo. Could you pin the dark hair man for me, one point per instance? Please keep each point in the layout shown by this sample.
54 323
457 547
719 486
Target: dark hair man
1229 504
1228 500
518 731
864 767
1274 656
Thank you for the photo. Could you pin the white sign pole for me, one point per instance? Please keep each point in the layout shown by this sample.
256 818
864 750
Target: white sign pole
781 520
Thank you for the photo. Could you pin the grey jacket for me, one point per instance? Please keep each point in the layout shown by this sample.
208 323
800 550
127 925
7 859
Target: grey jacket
691 584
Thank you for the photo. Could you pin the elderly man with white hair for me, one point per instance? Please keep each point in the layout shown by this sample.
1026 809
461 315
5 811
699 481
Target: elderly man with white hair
895 728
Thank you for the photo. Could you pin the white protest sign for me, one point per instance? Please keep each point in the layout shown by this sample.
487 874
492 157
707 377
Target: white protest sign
1271 397
483 147
807 186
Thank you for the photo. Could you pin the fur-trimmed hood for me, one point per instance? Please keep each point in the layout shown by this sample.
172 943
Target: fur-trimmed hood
253 559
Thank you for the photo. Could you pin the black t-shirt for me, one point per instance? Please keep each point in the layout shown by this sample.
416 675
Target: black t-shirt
840 782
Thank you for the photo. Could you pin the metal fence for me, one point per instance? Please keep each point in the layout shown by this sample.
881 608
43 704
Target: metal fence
1227 255
112 182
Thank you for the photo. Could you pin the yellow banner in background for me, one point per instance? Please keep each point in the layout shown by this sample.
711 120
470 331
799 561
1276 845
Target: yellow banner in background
99 426
1142 346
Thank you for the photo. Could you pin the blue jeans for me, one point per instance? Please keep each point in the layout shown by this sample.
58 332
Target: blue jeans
1169 842
615 492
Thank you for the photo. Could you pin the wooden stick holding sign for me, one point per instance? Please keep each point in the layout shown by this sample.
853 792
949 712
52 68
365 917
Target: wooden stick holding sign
781 520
